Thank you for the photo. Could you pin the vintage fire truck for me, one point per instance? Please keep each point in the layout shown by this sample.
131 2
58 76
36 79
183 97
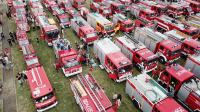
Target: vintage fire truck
193 64
111 58
149 96
125 24
67 58
22 38
65 5
30 56
189 46
89 95
84 12
143 58
101 9
101 24
158 8
84 30
167 50
195 5
182 84
77 4
42 92
47 32
73 13
116 7
165 23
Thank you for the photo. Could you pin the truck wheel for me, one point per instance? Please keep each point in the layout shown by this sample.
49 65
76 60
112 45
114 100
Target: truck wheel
162 60
171 16
139 67
137 105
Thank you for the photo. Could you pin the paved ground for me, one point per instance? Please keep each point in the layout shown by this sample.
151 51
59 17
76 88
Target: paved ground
9 92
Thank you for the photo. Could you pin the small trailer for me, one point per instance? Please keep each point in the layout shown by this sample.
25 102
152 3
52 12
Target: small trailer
89 95
42 92
67 58
111 58
30 56
136 51
149 96
167 50
193 64
125 24
84 30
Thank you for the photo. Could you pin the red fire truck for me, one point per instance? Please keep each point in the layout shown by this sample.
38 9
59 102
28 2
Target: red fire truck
149 96
84 30
188 46
125 24
18 7
195 5
73 13
77 4
42 92
35 12
167 50
116 7
22 38
47 32
175 10
65 5
193 64
67 58
89 95
111 58
136 51
30 56
101 24
84 12
62 17
165 23
182 84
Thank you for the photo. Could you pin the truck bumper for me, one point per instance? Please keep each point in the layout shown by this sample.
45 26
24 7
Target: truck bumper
73 73
129 75
47 108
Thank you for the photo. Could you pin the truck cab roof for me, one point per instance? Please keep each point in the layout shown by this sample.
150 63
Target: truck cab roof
179 73
38 82
170 45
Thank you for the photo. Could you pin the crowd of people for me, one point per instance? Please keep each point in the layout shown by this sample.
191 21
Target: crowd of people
21 77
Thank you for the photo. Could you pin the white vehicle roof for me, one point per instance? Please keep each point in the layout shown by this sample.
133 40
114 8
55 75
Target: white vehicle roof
107 46
131 44
43 20
99 18
149 88
121 17
80 20
177 34
196 58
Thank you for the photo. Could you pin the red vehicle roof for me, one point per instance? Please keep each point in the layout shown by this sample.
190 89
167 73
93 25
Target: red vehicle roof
170 45
193 43
38 82
179 72
147 54
174 106
28 49
64 53
118 59
50 28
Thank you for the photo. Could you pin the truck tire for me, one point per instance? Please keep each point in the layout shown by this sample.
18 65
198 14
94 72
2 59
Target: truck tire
162 60
171 16
136 104
139 67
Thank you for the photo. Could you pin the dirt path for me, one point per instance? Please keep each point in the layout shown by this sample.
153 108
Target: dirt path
9 92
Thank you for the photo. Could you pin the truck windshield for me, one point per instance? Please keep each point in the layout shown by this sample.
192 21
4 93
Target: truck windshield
108 27
125 69
91 35
71 63
52 34
44 98
175 52
64 20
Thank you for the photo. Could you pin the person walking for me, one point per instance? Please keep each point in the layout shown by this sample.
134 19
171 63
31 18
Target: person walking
9 42
2 36
19 79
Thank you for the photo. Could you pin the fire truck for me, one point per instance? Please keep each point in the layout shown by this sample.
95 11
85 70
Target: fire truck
149 96
116 7
84 12
73 13
111 58
189 46
67 58
158 8
195 5
22 38
182 84
30 56
77 4
54 8
62 17
89 95
101 9
34 4
47 32
125 24
143 58
34 12
65 5
101 24
175 10
42 92
84 30
165 23
193 64
167 50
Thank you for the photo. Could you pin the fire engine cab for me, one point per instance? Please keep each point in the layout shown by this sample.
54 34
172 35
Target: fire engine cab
136 51
195 5
65 5
67 58
84 30
149 96
182 84
111 58
124 24
42 92
89 95
167 50
116 7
